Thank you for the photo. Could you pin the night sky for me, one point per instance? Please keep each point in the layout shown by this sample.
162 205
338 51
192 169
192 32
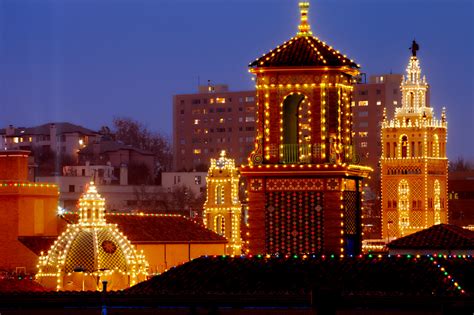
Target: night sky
87 61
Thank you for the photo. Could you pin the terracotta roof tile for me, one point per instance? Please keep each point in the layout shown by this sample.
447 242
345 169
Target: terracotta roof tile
303 51
159 228
441 236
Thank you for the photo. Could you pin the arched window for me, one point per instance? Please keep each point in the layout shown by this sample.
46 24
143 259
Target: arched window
219 194
404 146
387 149
412 99
296 129
437 202
435 146
403 203
219 225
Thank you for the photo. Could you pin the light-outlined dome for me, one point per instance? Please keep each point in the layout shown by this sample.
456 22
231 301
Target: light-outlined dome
91 251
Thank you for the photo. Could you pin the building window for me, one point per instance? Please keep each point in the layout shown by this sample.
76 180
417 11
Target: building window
395 103
363 103
196 101
363 144
249 119
353 103
197 180
379 103
363 114
250 109
249 128
220 100
362 92
72 188
197 151
220 225
196 121
363 124
249 99
221 120
404 146
378 92
363 134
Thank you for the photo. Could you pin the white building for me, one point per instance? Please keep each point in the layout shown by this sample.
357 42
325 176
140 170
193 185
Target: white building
196 181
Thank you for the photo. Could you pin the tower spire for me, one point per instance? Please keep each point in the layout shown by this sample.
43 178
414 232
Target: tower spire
304 29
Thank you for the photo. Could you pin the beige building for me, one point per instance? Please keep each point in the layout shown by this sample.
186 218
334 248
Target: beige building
61 138
209 121
413 164
196 181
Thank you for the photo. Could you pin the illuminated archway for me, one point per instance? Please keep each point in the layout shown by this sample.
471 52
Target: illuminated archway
437 203
403 204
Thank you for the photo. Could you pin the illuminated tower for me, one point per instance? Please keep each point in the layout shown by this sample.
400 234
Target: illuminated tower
222 210
413 163
304 189
91 251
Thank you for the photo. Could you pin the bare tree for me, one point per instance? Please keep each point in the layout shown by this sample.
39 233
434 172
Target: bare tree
461 165
134 133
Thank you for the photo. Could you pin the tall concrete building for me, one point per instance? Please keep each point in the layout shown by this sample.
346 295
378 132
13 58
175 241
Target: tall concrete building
369 101
212 120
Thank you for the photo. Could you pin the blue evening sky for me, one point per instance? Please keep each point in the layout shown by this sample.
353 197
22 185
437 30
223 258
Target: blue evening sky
87 61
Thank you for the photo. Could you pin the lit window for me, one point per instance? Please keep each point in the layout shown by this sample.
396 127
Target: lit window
395 103
221 120
81 142
220 100
363 103
197 151
211 101
250 109
353 103
381 79
250 99
363 134
363 144
379 103
16 140
196 121
249 119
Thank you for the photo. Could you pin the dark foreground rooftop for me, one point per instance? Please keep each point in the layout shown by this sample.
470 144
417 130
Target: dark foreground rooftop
374 284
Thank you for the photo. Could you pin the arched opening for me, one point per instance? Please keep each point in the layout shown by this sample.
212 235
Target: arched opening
412 99
403 203
437 202
219 194
296 137
404 146
220 225
435 146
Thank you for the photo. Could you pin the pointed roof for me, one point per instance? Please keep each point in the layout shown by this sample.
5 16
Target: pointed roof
441 236
304 50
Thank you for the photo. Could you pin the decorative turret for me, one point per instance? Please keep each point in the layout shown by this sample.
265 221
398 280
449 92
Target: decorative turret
222 209
413 163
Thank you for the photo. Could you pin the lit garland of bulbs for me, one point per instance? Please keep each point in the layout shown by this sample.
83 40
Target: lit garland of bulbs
222 209
91 219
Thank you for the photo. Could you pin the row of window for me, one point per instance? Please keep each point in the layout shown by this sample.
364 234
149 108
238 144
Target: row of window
415 204
366 103
198 131
209 140
218 100
223 120
378 92
198 151
435 148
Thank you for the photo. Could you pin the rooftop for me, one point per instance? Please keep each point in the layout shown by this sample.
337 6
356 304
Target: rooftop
441 237
61 128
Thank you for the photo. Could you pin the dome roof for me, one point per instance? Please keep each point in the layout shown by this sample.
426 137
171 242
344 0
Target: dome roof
91 247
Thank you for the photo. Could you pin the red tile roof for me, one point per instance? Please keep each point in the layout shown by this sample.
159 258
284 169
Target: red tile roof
441 236
159 228
38 244
303 51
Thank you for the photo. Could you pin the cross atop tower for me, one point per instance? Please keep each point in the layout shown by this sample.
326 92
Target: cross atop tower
304 27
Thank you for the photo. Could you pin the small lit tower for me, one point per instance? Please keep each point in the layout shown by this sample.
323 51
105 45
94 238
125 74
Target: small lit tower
304 184
222 209
90 252
413 163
